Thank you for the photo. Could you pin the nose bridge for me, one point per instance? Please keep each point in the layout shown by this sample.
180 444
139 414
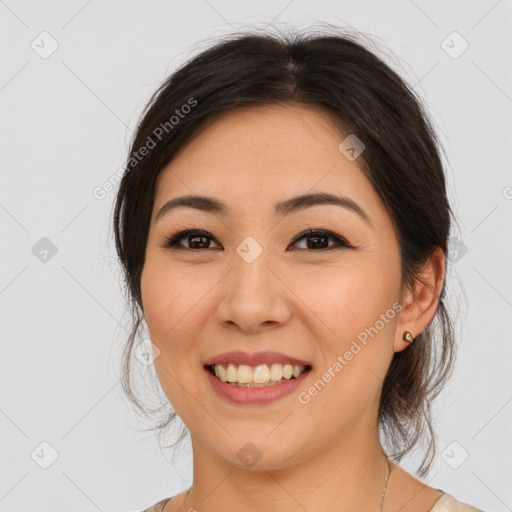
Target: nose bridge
253 295
250 266
250 250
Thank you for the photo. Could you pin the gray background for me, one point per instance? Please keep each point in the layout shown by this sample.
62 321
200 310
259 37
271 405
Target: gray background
65 123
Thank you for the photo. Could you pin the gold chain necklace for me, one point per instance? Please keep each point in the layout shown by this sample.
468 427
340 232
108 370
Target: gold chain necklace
388 471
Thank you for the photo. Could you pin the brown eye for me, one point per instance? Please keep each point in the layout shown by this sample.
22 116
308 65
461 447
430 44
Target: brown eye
316 240
193 240
319 240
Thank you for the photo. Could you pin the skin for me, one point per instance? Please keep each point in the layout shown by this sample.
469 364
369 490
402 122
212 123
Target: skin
309 303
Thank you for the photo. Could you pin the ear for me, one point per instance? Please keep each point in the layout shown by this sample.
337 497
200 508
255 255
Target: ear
420 301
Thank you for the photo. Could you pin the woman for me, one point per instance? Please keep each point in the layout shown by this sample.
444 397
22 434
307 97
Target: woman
282 225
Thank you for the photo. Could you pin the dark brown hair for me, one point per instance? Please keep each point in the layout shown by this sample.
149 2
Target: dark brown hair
330 69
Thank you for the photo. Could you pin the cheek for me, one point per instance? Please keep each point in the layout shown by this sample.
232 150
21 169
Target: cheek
351 297
172 309
167 297
176 310
164 304
355 343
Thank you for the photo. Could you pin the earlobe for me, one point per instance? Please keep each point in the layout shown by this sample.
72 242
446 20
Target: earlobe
421 301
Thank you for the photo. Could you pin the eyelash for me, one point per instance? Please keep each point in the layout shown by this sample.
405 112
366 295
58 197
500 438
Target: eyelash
172 242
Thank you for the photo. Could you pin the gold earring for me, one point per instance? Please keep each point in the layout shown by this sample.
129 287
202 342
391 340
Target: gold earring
407 336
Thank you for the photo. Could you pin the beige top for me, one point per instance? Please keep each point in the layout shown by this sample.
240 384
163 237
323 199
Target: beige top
445 503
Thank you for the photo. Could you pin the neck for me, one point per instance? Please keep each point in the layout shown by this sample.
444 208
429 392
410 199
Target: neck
349 475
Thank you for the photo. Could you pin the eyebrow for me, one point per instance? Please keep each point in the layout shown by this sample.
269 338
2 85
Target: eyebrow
213 205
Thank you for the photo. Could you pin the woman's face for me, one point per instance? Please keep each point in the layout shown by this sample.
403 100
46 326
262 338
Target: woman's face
251 281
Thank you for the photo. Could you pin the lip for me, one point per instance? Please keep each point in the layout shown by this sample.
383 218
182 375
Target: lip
239 357
254 396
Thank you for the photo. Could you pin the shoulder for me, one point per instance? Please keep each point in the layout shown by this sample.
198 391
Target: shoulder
158 507
448 503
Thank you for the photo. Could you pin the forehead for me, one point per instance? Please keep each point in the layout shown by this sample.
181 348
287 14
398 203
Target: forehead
263 154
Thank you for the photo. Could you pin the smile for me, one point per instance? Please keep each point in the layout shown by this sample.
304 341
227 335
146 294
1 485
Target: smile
249 392
262 375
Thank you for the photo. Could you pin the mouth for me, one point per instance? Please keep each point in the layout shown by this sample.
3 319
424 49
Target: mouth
260 376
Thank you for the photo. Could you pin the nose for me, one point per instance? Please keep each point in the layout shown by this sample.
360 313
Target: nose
253 297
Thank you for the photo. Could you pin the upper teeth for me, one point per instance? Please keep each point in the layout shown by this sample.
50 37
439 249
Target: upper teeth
260 374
